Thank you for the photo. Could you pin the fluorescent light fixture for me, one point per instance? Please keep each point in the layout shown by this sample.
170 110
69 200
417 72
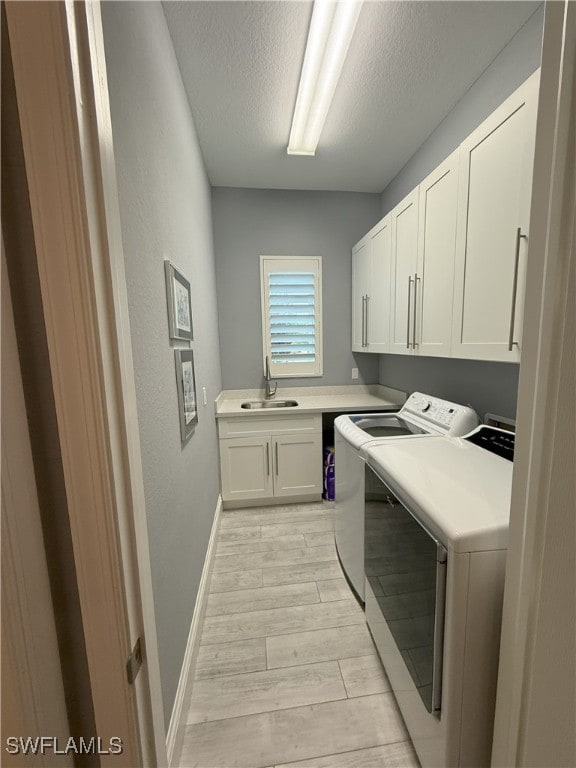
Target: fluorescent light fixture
331 28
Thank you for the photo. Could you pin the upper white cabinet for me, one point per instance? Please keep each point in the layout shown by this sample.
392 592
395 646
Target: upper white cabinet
371 261
444 272
378 303
360 287
403 296
493 215
434 278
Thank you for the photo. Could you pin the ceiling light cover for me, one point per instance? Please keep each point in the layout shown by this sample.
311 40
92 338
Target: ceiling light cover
331 28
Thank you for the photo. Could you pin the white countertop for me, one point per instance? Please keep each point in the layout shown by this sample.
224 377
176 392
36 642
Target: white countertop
354 399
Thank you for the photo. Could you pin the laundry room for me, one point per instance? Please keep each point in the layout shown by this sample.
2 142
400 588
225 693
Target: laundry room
297 300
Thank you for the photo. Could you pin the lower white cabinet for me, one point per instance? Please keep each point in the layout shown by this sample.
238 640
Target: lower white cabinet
274 458
297 465
245 465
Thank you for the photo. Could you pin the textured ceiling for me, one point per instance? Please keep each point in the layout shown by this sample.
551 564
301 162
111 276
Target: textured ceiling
408 65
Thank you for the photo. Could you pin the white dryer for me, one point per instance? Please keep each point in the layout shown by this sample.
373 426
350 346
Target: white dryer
436 533
420 416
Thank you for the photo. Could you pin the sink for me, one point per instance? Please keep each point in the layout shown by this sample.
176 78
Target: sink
270 404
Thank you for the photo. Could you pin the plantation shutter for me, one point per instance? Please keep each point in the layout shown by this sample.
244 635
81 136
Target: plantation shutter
291 304
291 315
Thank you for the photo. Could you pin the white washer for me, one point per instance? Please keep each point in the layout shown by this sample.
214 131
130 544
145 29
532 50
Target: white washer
436 536
420 416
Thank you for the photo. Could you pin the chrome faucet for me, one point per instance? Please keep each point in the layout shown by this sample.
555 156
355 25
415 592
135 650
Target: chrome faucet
269 394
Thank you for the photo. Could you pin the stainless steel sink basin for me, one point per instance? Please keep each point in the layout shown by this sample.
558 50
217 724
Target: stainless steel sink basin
269 404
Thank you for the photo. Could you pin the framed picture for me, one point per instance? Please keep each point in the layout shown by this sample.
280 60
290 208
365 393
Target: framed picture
186 383
179 305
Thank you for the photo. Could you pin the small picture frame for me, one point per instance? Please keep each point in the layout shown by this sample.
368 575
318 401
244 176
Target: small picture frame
179 304
186 384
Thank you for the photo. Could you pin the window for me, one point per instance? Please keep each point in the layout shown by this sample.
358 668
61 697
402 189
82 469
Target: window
291 289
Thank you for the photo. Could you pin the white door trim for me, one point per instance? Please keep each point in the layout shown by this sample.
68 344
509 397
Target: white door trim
545 336
115 326
62 99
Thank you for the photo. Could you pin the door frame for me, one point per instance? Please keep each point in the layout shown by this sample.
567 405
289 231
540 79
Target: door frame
60 75
58 57
33 699
547 345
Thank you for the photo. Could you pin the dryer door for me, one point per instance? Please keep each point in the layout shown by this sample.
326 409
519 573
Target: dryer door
406 567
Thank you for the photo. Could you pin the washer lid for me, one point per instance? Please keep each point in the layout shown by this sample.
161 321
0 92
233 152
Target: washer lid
387 425
460 491
360 428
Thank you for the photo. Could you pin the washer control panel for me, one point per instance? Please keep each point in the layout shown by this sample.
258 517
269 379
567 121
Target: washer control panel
447 417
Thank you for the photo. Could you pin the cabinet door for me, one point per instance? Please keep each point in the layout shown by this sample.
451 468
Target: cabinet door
434 288
297 465
404 260
246 467
493 214
378 290
360 283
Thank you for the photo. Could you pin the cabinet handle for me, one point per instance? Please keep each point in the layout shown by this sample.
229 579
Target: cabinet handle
416 280
268 459
276 450
364 323
408 312
511 341
367 326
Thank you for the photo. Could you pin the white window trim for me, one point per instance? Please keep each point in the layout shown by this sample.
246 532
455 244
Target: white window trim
297 370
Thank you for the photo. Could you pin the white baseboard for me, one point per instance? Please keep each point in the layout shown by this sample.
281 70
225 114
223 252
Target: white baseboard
176 729
309 498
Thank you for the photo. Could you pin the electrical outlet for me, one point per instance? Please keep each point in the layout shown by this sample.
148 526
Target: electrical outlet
354 373
204 396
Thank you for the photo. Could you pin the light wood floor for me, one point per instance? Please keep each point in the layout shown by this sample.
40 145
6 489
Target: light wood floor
287 673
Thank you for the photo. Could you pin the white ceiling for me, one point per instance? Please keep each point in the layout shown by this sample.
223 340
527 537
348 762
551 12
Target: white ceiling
409 63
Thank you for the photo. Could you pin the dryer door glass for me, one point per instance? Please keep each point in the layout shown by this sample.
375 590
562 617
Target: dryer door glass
406 567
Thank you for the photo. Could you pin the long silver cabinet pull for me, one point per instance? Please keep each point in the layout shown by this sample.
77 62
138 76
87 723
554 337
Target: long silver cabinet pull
276 449
408 312
511 341
416 281
363 321
367 316
268 459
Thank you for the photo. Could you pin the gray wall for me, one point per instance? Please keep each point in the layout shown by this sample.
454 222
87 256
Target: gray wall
486 386
165 207
251 223
514 64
